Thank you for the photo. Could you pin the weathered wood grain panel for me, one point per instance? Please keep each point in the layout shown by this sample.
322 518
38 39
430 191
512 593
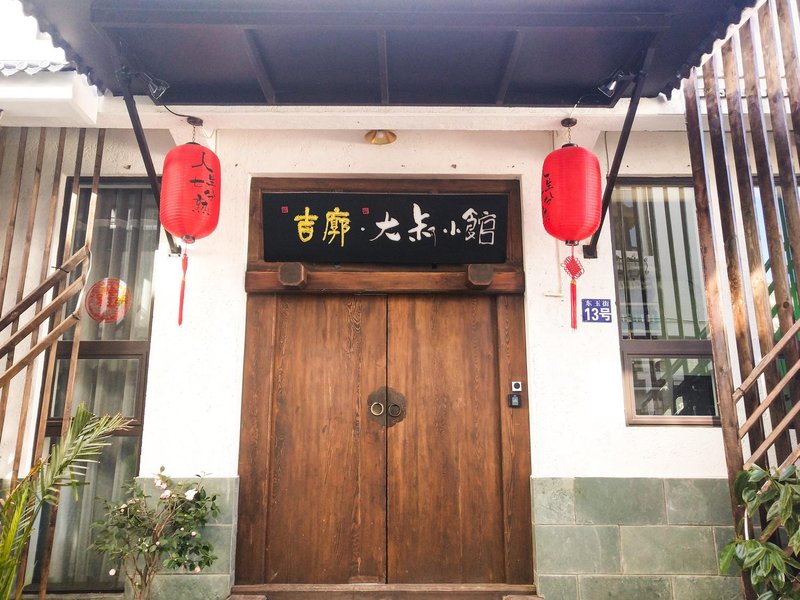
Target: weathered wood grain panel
444 458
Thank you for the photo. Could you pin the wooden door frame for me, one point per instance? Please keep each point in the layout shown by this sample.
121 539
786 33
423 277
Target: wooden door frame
265 281
506 278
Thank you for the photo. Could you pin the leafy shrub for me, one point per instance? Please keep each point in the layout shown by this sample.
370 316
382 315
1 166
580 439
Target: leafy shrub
774 571
145 534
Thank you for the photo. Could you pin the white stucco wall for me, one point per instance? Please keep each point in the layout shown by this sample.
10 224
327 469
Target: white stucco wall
577 414
578 420
578 424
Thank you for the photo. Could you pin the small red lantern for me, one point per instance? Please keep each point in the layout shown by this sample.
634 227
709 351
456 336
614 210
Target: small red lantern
190 194
571 204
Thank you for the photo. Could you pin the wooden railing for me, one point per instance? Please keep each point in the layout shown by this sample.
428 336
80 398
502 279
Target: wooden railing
47 300
743 170
750 170
775 394
30 332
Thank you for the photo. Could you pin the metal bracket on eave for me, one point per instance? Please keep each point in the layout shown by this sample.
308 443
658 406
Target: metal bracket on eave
124 75
590 249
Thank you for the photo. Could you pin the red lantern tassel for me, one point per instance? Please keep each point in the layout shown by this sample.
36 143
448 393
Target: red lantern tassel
574 269
573 296
184 265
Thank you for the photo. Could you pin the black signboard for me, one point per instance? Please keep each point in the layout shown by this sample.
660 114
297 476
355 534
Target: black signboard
333 227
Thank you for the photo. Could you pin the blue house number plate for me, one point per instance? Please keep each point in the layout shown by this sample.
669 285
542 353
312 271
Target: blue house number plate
596 310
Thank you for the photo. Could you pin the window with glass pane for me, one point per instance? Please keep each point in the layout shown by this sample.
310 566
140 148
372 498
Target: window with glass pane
673 386
73 567
660 295
109 374
123 249
103 385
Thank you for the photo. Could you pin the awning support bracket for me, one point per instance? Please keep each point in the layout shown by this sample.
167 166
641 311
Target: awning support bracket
124 75
590 249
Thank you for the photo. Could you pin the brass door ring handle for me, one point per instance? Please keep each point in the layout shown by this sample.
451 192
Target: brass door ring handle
376 408
395 410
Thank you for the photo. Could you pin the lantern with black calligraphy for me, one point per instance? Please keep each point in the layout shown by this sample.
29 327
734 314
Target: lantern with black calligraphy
571 204
190 195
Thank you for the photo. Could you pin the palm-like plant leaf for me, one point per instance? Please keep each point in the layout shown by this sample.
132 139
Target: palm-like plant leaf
84 441
16 516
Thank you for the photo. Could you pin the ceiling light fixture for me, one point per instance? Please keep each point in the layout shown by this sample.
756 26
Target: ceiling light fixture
380 137
155 87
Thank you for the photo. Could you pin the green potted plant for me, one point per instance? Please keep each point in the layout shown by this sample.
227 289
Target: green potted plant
146 534
21 505
774 571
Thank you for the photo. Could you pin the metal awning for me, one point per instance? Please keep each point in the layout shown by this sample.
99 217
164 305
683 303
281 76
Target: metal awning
32 67
387 52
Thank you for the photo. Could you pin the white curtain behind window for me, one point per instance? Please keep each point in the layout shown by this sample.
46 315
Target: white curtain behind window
108 376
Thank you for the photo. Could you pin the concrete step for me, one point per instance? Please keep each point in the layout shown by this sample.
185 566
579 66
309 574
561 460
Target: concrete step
373 591
262 597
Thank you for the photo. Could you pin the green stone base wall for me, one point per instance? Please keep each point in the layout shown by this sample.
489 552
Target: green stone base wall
631 539
215 582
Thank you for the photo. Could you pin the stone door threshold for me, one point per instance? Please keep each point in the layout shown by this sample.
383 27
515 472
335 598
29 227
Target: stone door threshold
377 591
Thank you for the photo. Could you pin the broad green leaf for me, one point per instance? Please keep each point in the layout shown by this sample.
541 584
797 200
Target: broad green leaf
756 474
754 556
764 566
740 551
741 483
770 493
787 473
794 540
777 561
773 547
774 510
777 579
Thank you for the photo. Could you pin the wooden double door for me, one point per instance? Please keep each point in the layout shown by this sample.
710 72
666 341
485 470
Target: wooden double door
378 445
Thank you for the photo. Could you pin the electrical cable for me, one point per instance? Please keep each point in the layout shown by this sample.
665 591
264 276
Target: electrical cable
593 93
177 114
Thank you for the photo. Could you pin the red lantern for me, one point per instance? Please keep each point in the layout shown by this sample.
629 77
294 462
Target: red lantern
190 194
571 204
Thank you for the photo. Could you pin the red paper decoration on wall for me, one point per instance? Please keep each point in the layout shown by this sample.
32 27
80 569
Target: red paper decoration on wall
190 193
108 300
571 204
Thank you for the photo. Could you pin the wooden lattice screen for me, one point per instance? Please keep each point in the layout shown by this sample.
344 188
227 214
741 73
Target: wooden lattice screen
39 289
745 172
